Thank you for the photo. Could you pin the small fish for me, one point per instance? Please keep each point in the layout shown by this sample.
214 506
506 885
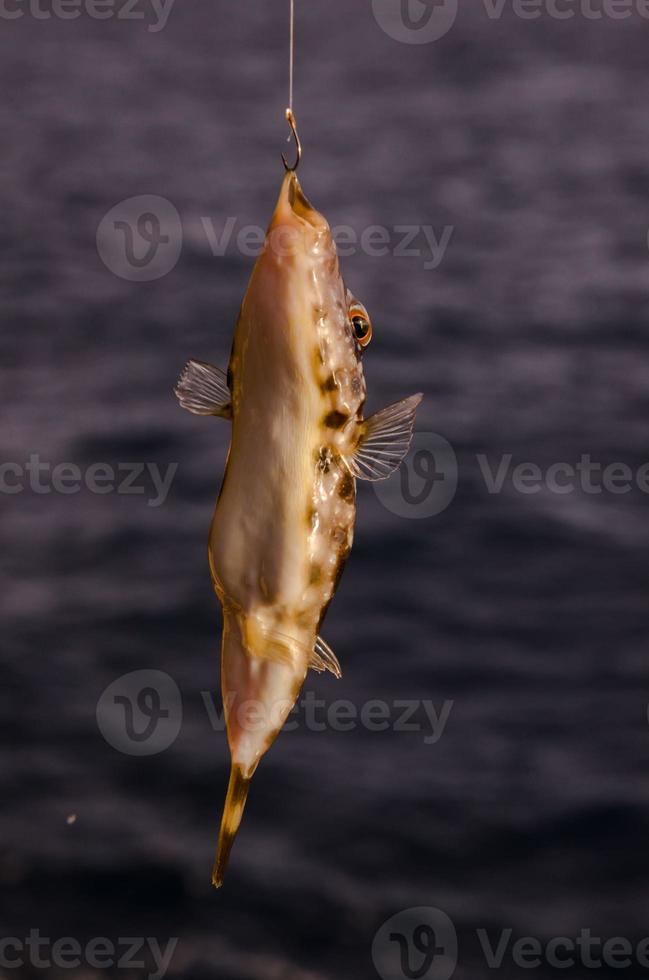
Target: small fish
284 520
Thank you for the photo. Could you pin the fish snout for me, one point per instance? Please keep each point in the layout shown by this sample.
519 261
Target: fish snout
296 227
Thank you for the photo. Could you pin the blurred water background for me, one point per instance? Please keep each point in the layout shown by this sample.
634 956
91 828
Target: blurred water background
527 611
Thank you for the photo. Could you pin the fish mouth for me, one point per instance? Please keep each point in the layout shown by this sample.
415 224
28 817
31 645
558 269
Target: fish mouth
299 202
297 232
294 208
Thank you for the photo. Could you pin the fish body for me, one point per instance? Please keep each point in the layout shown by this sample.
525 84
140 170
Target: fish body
284 520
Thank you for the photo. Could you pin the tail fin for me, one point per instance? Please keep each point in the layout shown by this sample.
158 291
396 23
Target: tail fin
235 802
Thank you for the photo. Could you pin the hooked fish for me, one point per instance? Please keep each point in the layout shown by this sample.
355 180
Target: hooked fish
284 520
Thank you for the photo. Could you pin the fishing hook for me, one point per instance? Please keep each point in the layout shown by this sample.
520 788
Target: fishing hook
290 118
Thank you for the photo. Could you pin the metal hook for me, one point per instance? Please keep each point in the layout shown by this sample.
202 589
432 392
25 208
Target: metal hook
290 118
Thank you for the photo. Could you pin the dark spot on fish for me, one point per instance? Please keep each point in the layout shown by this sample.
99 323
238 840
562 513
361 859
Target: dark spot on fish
303 620
229 378
339 535
323 458
335 420
343 555
315 574
329 384
346 488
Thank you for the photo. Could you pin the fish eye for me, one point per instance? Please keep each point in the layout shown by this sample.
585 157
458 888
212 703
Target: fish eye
361 324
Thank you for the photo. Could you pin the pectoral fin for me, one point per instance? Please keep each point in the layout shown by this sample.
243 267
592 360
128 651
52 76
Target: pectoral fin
384 439
203 390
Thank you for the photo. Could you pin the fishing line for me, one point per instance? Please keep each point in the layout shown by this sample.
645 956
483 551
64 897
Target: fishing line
290 118
291 60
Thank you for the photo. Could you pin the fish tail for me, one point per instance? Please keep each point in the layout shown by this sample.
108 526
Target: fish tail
235 802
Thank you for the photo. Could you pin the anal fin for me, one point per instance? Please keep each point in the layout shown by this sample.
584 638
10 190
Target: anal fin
270 644
323 658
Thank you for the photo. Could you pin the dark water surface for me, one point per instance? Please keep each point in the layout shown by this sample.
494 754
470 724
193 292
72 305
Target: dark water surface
527 611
